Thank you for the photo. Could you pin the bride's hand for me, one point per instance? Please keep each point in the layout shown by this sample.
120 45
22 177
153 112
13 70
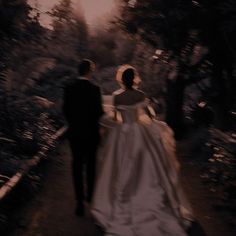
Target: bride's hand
102 131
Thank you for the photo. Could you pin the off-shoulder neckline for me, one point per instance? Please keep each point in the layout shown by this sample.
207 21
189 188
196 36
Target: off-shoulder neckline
135 105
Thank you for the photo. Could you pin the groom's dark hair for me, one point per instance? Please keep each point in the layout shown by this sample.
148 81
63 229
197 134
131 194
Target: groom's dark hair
85 66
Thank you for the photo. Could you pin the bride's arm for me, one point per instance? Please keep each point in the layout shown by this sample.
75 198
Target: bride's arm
149 110
115 116
110 116
107 121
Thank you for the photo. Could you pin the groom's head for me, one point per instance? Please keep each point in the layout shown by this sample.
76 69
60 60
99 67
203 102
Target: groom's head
86 67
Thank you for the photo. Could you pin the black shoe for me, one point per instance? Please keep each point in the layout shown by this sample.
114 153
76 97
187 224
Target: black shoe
99 230
79 211
196 229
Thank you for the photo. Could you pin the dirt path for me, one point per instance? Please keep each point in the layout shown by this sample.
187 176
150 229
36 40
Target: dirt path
201 199
52 212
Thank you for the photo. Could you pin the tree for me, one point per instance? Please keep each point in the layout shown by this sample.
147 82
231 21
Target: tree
31 77
178 28
70 32
15 27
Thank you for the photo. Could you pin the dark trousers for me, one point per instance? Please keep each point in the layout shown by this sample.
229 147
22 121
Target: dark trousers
196 229
83 168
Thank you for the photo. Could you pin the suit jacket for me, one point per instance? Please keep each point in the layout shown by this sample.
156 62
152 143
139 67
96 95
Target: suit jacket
83 109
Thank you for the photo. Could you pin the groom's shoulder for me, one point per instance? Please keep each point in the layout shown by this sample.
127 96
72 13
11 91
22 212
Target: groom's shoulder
76 83
84 85
94 86
70 83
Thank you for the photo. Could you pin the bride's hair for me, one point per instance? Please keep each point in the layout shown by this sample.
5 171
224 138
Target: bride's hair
128 78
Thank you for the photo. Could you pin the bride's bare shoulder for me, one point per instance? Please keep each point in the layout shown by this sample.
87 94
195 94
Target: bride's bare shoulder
139 92
129 97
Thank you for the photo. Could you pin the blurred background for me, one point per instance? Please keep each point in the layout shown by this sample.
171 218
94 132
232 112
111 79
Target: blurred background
185 54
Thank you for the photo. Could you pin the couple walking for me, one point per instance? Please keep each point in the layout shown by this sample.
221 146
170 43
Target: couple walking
136 189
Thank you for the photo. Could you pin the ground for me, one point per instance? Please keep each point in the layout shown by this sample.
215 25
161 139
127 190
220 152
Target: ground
201 199
51 212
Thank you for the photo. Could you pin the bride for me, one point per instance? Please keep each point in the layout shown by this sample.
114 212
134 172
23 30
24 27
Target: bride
137 190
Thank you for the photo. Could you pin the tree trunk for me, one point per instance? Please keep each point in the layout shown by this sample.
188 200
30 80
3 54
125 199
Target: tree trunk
174 104
221 98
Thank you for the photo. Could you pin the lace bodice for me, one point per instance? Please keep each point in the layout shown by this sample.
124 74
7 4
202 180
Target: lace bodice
131 113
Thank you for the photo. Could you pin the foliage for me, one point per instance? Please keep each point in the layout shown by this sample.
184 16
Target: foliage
34 67
110 48
167 24
218 172
191 34
70 32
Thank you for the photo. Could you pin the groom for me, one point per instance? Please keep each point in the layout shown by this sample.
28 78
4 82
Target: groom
82 109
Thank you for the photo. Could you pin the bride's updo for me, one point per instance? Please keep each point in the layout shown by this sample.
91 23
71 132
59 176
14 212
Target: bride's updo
120 72
128 78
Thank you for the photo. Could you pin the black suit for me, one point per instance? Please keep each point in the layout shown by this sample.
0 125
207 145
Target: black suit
82 109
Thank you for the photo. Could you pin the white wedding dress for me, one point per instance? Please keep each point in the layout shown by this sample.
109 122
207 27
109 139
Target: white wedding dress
137 190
